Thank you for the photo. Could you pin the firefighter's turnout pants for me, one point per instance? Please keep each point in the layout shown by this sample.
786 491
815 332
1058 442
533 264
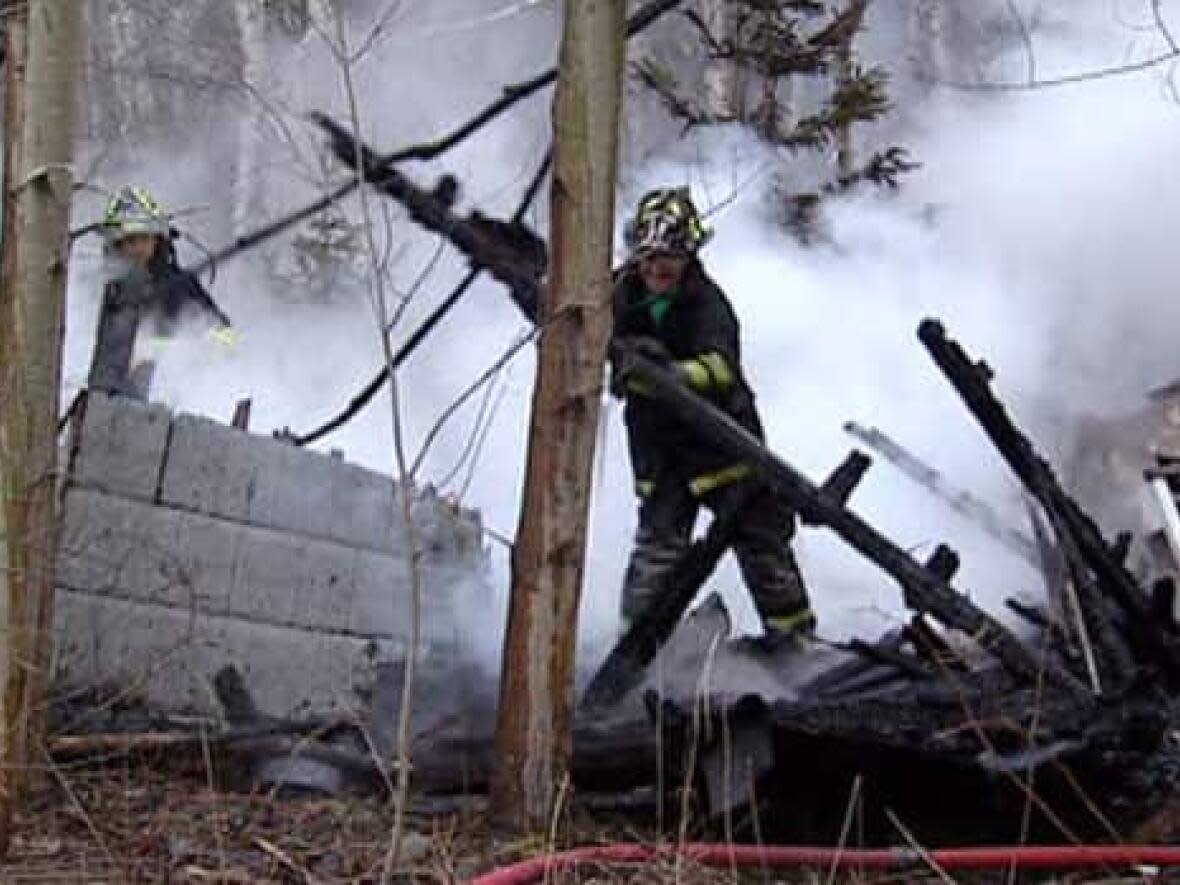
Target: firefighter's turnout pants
667 515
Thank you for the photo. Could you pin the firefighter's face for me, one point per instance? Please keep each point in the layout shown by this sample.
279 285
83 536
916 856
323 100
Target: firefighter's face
138 249
662 272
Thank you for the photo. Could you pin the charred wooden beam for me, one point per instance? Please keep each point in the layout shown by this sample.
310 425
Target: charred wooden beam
843 481
972 381
892 657
930 645
423 330
1115 664
872 678
1163 602
509 251
241 419
1034 615
236 701
943 562
1063 596
923 591
1121 547
833 680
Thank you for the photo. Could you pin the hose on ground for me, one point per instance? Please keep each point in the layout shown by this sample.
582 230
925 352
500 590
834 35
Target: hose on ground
771 856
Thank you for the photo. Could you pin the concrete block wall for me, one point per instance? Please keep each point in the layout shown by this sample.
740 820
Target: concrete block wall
187 545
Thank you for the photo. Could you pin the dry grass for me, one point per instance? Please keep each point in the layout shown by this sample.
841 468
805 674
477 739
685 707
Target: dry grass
153 823
143 824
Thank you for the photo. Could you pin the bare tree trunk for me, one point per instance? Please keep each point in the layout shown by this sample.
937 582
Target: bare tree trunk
534 727
723 78
251 128
43 45
845 72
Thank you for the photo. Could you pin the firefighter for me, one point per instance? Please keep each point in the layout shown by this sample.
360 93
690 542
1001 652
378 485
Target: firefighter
667 308
148 296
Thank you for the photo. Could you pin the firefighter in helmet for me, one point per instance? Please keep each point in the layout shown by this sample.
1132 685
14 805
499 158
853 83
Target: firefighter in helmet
667 308
148 296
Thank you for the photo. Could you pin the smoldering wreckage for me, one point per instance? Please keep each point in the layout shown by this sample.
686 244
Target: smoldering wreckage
1065 730
954 698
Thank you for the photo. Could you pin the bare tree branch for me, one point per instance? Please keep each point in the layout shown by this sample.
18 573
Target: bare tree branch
493 393
346 62
643 18
1025 38
376 31
1064 80
491 372
420 280
1162 27
370 390
473 463
480 21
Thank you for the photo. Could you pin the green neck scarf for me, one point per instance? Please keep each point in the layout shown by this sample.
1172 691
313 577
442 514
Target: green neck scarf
658 306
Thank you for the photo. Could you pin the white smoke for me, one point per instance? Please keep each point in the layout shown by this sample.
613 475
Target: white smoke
1038 228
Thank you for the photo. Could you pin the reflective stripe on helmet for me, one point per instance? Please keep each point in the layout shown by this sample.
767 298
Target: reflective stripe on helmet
134 211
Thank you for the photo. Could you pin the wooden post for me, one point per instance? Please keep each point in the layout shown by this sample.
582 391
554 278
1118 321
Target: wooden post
42 45
534 726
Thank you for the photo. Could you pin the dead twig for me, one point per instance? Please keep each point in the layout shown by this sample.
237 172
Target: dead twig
845 828
285 860
491 372
927 858
81 811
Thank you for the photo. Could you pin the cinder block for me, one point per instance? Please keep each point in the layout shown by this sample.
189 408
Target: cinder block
164 656
446 589
226 473
206 554
120 448
292 672
292 490
382 603
270 569
119 547
382 608
365 510
326 593
286 563
75 660
212 468
168 657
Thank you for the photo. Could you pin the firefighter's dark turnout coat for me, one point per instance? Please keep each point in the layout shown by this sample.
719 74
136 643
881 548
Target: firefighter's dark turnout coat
676 471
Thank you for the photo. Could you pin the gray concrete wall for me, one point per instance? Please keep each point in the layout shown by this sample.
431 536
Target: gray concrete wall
187 545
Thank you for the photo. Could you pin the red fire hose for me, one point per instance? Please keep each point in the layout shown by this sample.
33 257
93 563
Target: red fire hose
1047 857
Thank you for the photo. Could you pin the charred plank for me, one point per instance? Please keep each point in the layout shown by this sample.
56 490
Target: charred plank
972 381
892 657
930 645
